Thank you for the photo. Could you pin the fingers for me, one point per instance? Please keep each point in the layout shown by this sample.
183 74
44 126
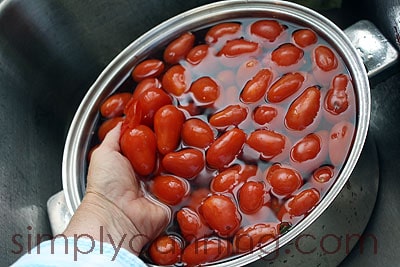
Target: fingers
111 141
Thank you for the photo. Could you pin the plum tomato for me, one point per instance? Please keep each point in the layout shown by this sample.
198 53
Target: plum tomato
206 250
197 133
191 225
114 105
149 68
255 89
249 237
323 174
251 197
336 100
179 48
226 180
304 109
231 115
304 37
221 30
186 163
166 250
287 54
174 80
150 101
324 58
197 54
205 90
139 146
107 126
168 122
267 29
284 180
269 143
306 149
237 47
144 85
303 202
225 148
221 214
286 86
340 139
264 114
170 189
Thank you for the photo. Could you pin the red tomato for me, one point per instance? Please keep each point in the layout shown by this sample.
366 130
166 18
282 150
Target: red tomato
255 89
170 189
287 54
325 58
284 180
221 214
139 146
323 174
231 115
186 163
191 225
304 109
336 100
150 101
225 180
286 86
237 47
144 85
304 37
197 196
306 149
249 237
166 250
107 126
206 250
197 54
221 30
205 90
251 197
168 122
268 29
340 139
149 68
114 105
264 114
225 148
174 80
179 48
197 133
267 142
303 202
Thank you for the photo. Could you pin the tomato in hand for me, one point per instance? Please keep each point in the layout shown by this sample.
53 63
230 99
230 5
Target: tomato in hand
286 86
287 54
221 214
191 225
264 114
303 202
150 101
174 80
107 126
166 250
304 109
251 197
304 37
197 133
206 250
149 68
324 58
306 149
186 163
284 180
197 54
249 237
221 30
168 122
114 105
237 47
205 90
255 89
269 143
139 146
170 189
231 115
179 48
225 148
268 29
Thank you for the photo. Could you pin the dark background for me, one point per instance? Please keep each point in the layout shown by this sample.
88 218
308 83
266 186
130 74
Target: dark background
51 51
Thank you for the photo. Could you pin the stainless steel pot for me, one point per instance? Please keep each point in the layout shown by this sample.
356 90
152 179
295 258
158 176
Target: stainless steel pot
82 127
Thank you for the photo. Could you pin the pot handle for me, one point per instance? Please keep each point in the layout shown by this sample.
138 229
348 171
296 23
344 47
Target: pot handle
59 215
377 53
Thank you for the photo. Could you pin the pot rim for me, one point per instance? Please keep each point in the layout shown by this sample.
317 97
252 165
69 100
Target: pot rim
81 128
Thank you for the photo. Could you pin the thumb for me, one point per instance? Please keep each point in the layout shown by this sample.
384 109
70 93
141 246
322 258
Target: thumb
111 140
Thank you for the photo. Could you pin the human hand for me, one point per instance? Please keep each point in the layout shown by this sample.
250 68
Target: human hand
113 191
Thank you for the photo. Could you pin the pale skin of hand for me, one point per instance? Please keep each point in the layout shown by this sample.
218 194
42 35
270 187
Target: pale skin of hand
115 201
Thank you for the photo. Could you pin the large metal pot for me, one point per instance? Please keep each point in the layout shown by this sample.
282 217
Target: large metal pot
86 117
